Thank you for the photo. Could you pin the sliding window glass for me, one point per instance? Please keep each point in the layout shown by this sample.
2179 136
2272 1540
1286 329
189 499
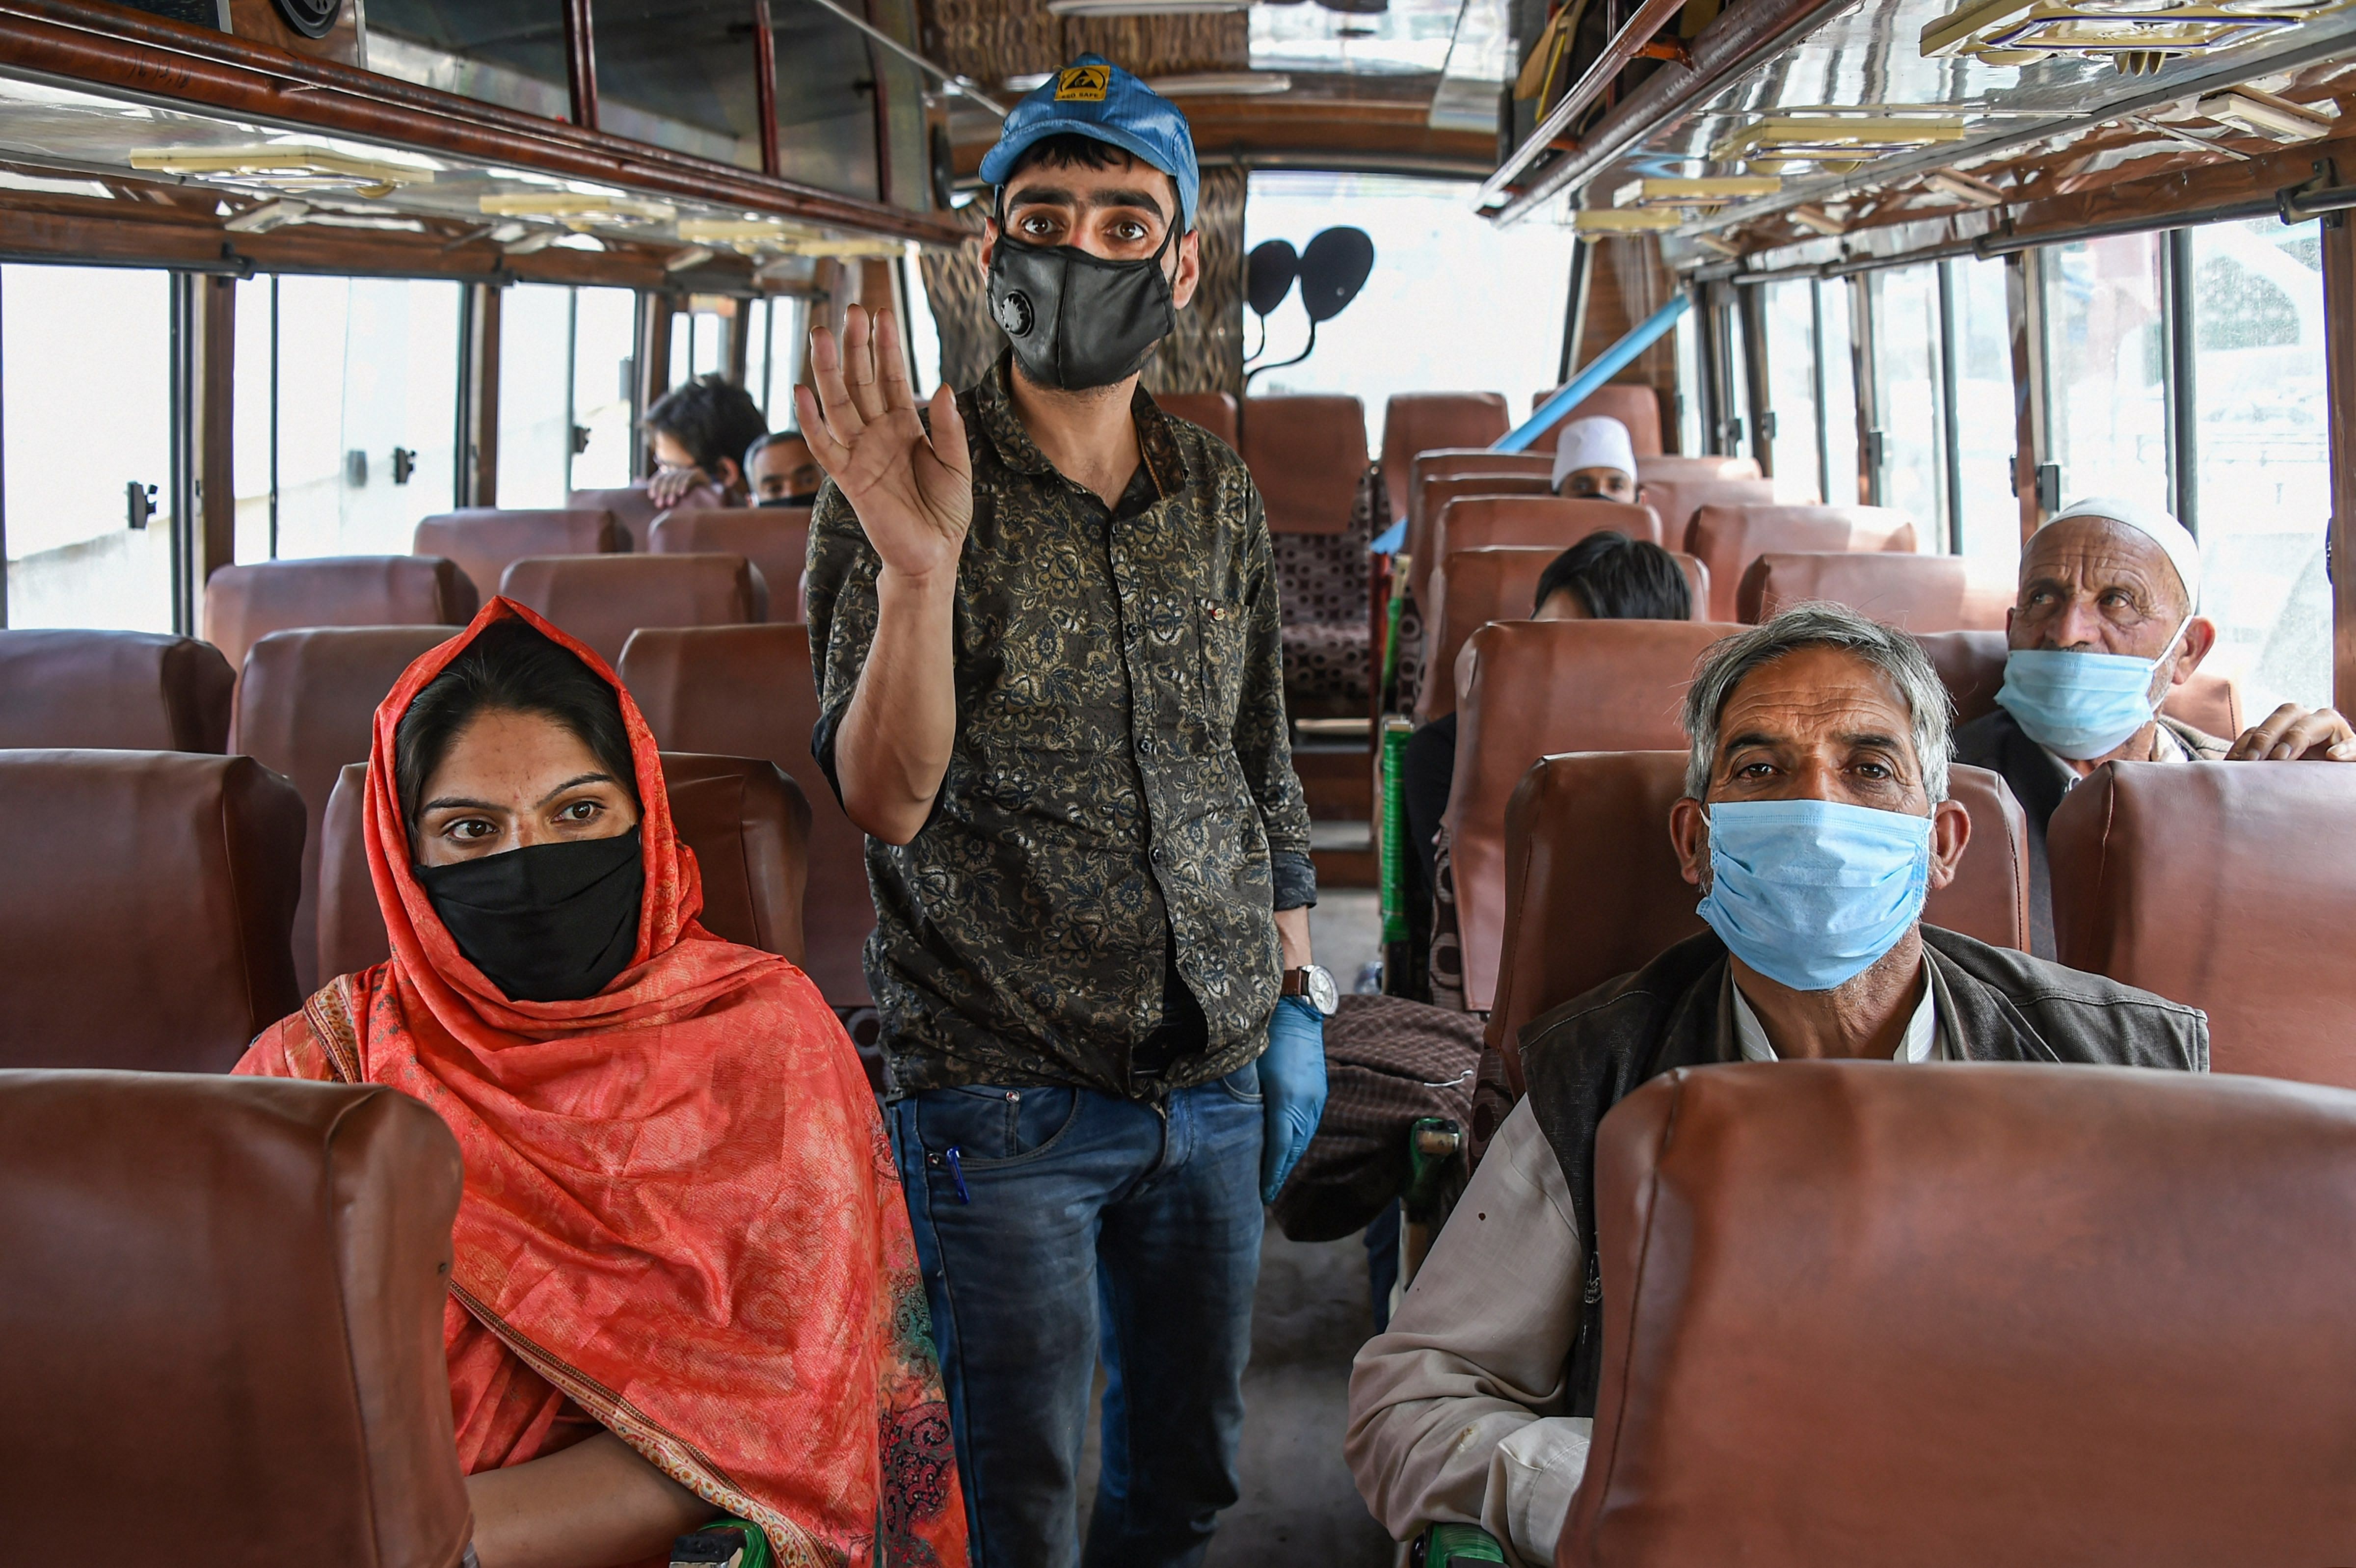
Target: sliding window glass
507 52
535 395
86 436
1987 432
1837 342
826 103
1909 408
1796 436
2262 501
254 427
2106 379
679 74
1691 401
774 335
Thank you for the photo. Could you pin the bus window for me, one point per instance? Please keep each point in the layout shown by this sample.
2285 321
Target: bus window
826 122
1687 334
678 74
254 373
535 406
1734 427
368 411
1450 307
2263 496
1838 343
1987 434
85 415
1907 397
509 52
2106 391
699 341
605 336
1795 444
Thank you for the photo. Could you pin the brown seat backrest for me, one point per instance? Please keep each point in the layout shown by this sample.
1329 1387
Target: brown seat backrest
232 1289
1528 690
1913 592
1592 889
1477 522
1434 496
634 510
744 818
1971 666
1498 582
1676 498
1635 406
244 605
602 599
776 539
485 540
748 691
1730 531
116 690
308 706
1947 1316
2228 886
1307 454
1215 411
1432 421
146 911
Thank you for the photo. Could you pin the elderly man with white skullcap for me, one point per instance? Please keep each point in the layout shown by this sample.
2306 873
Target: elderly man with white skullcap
2106 621
1595 460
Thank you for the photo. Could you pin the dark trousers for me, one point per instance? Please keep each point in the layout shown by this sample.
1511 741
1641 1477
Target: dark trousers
1072 1225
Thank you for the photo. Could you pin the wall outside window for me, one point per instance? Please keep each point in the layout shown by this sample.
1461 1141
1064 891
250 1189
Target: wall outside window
2107 378
1909 398
1838 342
564 395
1987 432
1789 318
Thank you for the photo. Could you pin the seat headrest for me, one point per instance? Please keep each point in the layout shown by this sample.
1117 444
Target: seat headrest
1594 890
245 603
1307 454
633 507
602 599
1431 501
126 690
1730 528
776 539
1475 521
1414 423
146 911
485 540
1913 593
1636 407
232 1289
1951 1314
2228 886
1215 411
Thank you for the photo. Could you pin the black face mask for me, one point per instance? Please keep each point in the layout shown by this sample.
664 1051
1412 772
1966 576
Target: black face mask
1078 321
553 922
808 500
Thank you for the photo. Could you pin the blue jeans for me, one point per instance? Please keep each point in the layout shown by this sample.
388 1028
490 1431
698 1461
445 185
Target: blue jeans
1072 1224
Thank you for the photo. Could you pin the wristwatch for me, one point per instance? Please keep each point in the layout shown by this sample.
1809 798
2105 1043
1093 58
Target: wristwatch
1314 984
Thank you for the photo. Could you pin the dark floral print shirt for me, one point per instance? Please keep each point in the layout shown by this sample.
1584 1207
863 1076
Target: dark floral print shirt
1120 793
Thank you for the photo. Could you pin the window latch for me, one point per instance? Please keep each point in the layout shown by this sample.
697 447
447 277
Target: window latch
139 503
2049 486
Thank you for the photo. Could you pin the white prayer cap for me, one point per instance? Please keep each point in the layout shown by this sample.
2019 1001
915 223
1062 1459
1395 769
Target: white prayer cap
1597 441
2182 550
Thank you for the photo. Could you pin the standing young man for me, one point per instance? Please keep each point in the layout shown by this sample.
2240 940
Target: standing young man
1050 669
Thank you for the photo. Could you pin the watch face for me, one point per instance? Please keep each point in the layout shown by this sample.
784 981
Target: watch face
1317 983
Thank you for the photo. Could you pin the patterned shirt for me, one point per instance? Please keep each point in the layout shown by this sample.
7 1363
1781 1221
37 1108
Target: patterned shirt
1119 796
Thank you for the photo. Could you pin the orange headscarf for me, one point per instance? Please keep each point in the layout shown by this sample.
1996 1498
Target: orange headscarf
680 1210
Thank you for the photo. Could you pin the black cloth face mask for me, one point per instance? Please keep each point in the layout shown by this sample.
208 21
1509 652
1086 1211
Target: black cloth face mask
553 922
1078 321
808 500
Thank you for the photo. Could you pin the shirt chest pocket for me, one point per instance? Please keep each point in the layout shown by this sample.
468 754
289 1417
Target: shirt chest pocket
1221 638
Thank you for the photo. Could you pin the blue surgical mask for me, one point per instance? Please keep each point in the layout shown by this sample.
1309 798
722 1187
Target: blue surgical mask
1811 892
2080 705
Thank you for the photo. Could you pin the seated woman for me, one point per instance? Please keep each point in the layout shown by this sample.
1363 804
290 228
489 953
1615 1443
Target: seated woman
684 1285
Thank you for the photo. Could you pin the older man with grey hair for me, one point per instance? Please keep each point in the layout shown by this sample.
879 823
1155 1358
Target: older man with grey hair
1816 820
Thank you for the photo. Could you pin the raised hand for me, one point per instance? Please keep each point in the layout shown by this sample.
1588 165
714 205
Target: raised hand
914 494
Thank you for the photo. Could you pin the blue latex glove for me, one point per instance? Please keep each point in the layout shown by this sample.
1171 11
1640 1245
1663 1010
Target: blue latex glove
1293 1085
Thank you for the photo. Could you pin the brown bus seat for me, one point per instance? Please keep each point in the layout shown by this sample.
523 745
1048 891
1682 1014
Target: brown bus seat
1497 582
1415 423
1592 889
2229 886
1971 666
1913 593
244 605
633 507
1730 531
1634 405
747 691
485 540
602 599
744 820
1307 453
114 690
776 539
1528 689
1676 497
1435 497
1477 522
308 706
146 911
1949 1316
1215 411
232 1290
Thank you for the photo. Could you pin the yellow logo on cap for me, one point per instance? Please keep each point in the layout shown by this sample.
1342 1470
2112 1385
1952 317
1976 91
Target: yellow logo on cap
1082 84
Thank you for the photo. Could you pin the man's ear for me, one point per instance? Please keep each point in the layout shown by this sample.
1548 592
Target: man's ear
989 243
1951 830
2199 637
731 474
1689 836
1190 270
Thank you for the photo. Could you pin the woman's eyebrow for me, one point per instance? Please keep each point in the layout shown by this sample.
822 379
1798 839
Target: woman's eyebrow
574 784
469 801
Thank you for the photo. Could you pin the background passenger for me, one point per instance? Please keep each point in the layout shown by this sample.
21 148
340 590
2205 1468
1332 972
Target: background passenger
699 431
1816 820
683 1285
1595 460
781 471
2104 624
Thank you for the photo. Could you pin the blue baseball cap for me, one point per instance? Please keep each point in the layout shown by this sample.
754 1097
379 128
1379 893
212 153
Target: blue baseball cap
1093 97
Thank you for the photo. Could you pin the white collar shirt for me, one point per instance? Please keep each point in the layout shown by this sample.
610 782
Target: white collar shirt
1923 1041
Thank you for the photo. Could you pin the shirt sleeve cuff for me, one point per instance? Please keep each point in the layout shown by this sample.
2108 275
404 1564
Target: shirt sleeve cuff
1295 875
822 746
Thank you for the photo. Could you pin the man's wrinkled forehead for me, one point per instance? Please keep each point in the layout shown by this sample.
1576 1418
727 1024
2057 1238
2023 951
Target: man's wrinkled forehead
2101 552
1810 694
1137 185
